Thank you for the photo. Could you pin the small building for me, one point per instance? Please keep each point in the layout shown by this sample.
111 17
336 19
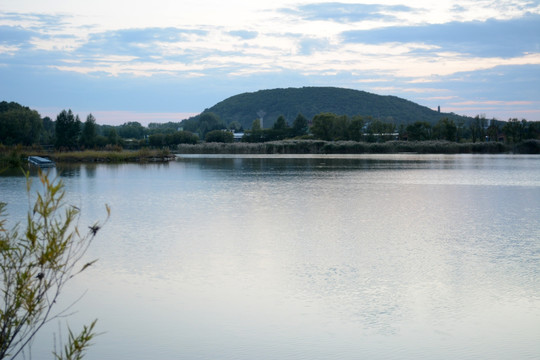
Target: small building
238 136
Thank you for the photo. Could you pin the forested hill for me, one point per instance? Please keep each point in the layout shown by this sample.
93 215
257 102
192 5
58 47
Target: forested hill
310 101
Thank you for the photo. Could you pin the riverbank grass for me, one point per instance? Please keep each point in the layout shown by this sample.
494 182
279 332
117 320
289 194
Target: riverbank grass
352 147
142 155
17 156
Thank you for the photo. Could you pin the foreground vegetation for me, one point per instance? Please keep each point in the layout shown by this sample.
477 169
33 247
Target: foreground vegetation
36 264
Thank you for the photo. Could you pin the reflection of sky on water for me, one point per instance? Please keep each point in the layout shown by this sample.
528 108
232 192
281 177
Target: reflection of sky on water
315 258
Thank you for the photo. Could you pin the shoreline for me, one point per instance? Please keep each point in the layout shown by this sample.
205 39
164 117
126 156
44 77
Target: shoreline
18 156
353 147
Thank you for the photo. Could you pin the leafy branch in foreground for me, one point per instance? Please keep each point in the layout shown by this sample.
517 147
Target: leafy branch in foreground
36 265
77 345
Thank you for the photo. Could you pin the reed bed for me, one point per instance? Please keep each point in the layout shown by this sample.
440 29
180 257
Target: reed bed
142 155
347 147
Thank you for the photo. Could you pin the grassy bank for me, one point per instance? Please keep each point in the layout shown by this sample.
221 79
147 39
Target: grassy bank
17 156
142 155
353 147
11 157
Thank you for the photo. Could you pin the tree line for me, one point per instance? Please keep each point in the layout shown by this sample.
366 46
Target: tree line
22 125
332 127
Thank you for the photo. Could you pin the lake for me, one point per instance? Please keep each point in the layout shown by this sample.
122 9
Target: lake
307 257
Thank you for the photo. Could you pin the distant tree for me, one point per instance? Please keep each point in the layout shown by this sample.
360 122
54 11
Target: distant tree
533 131
375 126
235 126
460 129
163 128
493 132
477 126
329 127
191 125
101 141
156 140
300 125
112 137
445 129
356 129
209 121
419 131
513 129
379 131
523 130
280 124
340 128
256 134
67 130
89 132
187 137
220 136
256 125
47 135
131 130
19 124
181 137
323 126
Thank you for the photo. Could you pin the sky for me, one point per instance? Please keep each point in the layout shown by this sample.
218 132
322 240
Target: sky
166 60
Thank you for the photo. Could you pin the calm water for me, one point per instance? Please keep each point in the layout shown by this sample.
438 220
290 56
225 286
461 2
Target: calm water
363 257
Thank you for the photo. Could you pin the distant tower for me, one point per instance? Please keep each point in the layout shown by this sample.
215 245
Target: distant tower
261 114
439 109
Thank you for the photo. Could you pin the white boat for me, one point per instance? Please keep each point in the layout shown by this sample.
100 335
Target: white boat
40 161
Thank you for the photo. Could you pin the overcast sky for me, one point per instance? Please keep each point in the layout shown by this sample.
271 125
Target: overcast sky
163 60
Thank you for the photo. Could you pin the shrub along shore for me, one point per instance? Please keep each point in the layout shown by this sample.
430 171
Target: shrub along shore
142 155
354 147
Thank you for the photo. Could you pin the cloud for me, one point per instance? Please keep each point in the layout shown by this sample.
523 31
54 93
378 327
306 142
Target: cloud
146 35
491 102
343 12
15 35
500 38
310 45
244 34
137 42
36 22
501 92
32 33
8 50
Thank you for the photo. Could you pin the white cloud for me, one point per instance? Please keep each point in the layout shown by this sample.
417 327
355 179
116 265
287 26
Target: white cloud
9 49
440 97
491 102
